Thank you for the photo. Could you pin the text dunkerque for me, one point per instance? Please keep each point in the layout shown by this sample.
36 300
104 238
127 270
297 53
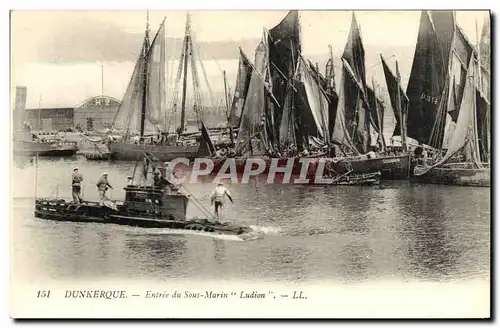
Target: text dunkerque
98 293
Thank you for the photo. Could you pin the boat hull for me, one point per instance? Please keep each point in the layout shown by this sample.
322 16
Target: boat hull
23 148
91 212
130 151
456 174
389 167
95 156
351 179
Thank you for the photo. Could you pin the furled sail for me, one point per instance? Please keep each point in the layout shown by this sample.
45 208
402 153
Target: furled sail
427 82
357 115
240 90
251 123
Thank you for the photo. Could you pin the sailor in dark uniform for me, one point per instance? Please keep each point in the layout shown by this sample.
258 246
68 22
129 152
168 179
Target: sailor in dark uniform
76 180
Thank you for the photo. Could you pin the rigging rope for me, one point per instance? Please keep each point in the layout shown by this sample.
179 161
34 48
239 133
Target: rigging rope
197 203
197 49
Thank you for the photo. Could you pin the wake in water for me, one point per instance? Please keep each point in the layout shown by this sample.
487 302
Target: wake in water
256 233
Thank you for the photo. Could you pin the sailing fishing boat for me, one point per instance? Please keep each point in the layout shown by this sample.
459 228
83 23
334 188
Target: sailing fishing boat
359 109
286 106
467 144
141 117
437 80
243 79
464 141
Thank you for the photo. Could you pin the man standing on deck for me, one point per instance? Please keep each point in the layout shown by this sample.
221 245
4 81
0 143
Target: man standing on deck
76 186
217 198
102 186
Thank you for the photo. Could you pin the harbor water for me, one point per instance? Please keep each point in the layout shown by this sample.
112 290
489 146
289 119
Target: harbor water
344 234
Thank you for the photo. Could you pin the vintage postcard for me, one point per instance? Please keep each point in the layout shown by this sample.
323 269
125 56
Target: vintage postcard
250 164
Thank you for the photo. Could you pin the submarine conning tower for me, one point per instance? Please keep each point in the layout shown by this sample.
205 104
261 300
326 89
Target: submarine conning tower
165 203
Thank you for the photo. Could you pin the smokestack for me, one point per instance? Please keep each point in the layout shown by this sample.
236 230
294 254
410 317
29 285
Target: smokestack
20 106
21 93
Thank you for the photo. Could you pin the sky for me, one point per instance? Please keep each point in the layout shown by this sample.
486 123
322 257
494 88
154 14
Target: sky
61 62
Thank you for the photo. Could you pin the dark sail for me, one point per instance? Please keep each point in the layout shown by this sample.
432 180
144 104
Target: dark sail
240 90
377 115
482 126
444 25
206 143
284 50
357 115
427 82
392 88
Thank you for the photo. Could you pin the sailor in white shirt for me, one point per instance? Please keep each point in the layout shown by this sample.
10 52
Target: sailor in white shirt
217 198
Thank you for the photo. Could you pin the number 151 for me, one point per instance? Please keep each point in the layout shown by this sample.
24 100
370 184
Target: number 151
43 294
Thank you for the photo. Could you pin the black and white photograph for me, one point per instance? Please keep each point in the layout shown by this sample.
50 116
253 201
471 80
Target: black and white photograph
250 164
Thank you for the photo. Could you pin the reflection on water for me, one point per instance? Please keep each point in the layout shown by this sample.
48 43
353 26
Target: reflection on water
346 233
430 236
356 262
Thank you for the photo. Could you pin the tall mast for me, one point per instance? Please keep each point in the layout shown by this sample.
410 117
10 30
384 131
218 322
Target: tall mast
480 87
479 58
102 79
145 49
402 115
226 94
379 119
40 111
187 38
321 109
102 86
332 77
